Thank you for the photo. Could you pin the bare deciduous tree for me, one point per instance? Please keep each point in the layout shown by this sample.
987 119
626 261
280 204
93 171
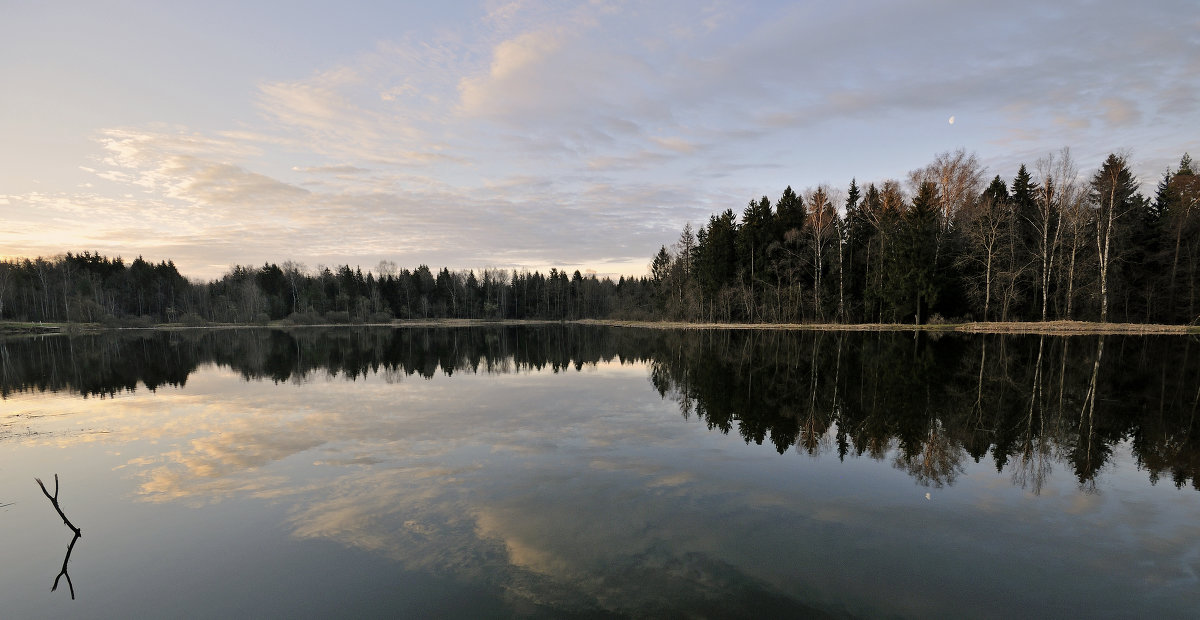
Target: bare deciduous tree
1057 190
821 228
294 273
985 229
959 180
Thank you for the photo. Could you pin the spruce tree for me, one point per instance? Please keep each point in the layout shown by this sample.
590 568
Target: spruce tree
915 283
1179 208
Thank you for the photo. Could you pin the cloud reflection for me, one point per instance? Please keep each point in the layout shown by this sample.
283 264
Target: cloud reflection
584 492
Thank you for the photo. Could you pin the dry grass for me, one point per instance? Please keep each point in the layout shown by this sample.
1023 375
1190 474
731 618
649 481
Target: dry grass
467 322
21 328
1048 327
1074 327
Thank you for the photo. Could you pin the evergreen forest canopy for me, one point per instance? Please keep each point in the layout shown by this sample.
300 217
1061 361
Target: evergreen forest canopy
1048 245
1045 247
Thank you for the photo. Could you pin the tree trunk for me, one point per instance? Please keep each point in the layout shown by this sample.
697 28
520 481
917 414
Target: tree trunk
1071 279
1103 249
987 283
841 282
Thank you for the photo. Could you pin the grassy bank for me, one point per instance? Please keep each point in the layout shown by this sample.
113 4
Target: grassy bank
1064 328
22 327
1048 327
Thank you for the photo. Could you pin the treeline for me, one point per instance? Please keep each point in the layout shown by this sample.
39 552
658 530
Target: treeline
1049 245
88 287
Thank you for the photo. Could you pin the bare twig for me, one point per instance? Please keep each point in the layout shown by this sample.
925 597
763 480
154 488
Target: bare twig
54 500
63 573
71 547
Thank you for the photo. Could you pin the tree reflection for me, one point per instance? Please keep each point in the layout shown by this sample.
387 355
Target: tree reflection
939 461
927 403
1033 448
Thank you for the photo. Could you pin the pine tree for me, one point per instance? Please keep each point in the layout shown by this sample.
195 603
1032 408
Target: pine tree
789 213
845 260
1024 196
754 237
919 277
716 256
1179 208
1023 199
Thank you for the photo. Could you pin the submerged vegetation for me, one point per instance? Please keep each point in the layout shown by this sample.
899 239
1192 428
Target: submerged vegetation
1049 246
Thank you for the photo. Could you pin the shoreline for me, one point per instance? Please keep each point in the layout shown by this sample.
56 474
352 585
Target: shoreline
1055 328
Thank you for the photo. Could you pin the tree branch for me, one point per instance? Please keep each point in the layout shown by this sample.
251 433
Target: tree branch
63 573
71 547
54 500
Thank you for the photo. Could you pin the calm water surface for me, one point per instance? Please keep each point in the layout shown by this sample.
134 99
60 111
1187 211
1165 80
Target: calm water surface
561 471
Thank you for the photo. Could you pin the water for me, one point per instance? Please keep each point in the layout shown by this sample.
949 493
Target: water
560 471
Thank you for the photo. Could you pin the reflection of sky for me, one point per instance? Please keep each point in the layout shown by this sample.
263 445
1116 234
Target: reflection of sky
584 491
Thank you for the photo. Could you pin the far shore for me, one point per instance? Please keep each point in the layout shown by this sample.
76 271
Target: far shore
1060 328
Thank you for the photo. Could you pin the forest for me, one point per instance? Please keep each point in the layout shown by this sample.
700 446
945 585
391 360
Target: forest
946 244
954 246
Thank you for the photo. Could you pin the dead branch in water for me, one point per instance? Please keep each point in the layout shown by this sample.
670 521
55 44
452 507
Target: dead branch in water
54 500
71 547
63 573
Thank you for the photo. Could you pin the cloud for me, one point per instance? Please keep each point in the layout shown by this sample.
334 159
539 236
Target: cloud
588 133
1180 99
387 211
337 169
224 184
1072 122
323 111
678 145
1119 112
515 82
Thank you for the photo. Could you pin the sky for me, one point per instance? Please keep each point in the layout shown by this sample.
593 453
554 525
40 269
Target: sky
526 135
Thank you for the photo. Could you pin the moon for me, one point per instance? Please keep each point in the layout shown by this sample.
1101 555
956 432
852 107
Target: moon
951 120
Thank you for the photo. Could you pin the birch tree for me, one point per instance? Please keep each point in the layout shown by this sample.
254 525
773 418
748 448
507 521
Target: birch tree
293 272
1113 191
986 230
1056 190
821 220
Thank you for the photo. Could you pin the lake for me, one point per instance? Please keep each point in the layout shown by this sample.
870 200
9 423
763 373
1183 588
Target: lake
569 471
